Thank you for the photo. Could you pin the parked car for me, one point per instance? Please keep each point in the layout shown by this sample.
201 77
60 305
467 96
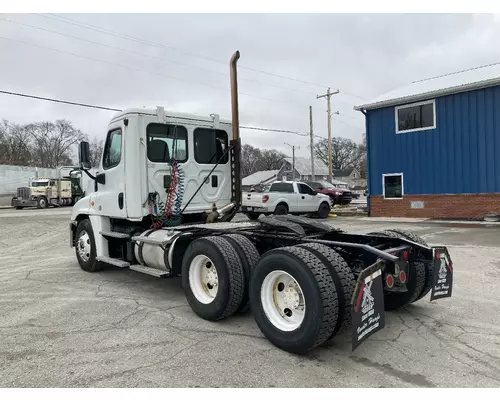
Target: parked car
286 198
337 195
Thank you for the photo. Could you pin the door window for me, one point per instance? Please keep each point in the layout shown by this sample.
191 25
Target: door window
112 149
305 189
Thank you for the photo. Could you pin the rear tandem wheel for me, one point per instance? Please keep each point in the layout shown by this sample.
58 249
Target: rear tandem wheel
294 299
415 283
212 278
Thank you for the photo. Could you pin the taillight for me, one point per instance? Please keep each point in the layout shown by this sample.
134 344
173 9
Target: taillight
402 276
405 255
389 281
265 198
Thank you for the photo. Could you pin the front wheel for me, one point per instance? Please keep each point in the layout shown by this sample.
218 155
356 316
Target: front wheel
85 247
42 202
324 210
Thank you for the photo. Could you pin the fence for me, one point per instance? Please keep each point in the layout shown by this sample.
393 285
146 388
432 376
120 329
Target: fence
14 176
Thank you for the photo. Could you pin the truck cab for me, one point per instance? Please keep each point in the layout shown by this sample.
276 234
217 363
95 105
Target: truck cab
141 150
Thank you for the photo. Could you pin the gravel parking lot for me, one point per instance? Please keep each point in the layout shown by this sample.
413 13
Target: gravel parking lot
63 327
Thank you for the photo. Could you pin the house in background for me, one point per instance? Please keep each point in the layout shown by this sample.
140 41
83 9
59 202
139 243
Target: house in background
303 169
352 176
259 180
433 147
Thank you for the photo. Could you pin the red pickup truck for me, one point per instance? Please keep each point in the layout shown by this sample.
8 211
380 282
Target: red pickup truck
337 195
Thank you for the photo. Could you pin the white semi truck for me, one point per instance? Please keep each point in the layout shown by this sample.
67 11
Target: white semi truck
166 191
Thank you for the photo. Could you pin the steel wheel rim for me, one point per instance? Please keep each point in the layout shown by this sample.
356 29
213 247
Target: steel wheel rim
203 279
84 246
283 300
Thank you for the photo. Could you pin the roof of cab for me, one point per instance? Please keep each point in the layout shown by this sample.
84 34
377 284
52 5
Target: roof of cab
168 114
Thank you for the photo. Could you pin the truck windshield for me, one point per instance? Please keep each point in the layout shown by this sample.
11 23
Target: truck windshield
39 183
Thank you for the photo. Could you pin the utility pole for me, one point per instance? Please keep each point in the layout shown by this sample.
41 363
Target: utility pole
313 177
328 95
293 159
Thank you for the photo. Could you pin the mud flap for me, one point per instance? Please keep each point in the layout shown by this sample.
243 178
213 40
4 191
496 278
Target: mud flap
442 275
368 315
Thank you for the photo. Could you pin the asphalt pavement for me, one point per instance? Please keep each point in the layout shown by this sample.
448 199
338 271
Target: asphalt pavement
63 327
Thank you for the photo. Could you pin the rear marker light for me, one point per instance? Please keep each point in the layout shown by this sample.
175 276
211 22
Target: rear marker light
389 280
402 276
405 255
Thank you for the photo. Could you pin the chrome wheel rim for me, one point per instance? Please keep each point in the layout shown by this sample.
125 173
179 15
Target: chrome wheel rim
84 246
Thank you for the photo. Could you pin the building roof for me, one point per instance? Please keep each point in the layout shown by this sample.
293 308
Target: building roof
259 177
342 172
303 166
470 79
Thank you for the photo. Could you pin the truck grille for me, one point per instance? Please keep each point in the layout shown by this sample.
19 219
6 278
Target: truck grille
346 196
23 193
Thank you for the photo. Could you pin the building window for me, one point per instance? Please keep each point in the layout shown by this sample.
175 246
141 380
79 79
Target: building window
165 142
112 149
392 185
416 117
210 145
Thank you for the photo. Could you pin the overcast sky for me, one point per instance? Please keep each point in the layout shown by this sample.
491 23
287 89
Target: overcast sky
362 56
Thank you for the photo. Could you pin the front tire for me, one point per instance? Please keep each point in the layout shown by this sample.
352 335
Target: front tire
294 299
85 247
42 202
212 278
324 210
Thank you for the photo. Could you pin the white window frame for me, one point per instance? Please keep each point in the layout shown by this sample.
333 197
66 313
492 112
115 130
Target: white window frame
420 103
402 186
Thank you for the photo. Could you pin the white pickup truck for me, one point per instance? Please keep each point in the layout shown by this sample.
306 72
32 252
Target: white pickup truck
286 198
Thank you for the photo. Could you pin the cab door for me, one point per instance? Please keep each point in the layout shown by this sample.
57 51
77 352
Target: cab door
110 196
307 198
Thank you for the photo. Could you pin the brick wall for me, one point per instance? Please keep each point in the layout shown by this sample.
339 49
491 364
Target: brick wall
460 206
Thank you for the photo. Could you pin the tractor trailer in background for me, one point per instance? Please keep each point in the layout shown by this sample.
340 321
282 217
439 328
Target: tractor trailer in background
165 193
65 190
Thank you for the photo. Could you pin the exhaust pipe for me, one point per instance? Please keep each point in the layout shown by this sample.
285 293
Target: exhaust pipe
236 142
234 95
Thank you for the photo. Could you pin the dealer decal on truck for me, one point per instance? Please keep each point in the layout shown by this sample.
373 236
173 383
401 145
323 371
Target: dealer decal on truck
442 274
368 308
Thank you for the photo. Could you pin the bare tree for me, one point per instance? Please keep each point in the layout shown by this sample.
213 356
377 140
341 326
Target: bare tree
96 148
53 142
271 159
15 146
249 158
345 152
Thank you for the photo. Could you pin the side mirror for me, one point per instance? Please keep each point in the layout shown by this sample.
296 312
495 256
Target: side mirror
84 155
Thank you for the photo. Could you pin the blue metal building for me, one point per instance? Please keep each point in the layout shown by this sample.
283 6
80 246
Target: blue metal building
434 147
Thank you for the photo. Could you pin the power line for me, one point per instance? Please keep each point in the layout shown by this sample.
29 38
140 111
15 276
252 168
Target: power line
141 70
59 101
149 56
118 110
143 41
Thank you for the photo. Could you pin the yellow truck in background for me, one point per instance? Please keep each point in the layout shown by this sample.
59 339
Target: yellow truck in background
65 190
